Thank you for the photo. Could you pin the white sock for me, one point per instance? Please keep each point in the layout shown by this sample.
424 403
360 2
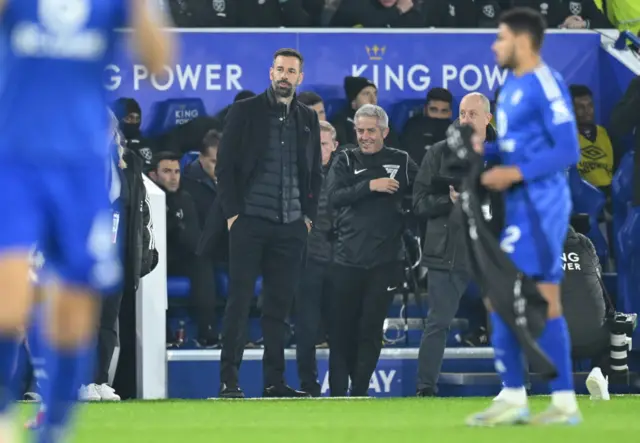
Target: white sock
565 401
514 396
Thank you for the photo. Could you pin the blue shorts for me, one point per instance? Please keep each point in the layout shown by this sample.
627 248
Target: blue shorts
536 224
67 213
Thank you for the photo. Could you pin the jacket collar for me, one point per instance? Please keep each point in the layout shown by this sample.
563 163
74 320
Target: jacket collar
195 172
274 103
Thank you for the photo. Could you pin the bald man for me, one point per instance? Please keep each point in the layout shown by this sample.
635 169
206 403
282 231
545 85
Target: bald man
445 254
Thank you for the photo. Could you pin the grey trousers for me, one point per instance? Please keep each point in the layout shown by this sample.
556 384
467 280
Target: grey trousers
444 291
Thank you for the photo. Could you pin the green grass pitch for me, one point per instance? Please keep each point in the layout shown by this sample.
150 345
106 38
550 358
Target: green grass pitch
339 421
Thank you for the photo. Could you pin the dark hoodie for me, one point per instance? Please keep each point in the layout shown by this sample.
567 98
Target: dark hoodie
343 120
202 188
420 133
319 242
138 144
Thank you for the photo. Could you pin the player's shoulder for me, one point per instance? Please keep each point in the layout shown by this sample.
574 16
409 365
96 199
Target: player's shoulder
548 83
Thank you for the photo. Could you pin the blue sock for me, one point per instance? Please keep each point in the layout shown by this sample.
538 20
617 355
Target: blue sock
35 337
508 354
556 343
9 346
67 370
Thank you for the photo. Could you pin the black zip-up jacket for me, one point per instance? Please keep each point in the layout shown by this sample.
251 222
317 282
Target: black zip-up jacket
319 241
141 255
369 225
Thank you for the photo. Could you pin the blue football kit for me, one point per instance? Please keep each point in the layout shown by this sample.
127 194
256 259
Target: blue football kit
537 132
55 148
56 132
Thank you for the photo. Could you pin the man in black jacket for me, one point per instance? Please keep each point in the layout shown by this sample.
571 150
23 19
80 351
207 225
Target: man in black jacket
199 177
429 127
269 178
445 253
367 186
183 233
312 301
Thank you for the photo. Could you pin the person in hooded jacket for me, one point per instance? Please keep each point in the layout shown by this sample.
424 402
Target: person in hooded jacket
429 127
360 91
129 115
435 194
199 176
312 299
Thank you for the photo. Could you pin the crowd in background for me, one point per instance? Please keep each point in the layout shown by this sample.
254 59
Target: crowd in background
578 14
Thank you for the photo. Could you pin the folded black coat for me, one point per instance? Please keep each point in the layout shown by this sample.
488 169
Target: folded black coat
512 295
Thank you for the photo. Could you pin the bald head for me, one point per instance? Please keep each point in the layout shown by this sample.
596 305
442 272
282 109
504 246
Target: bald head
475 110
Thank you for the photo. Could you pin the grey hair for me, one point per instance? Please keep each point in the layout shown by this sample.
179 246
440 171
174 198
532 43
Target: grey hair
328 127
486 103
373 111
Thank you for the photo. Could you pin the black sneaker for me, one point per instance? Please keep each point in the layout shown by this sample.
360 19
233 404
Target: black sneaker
313 390
425 392
230 392
283 391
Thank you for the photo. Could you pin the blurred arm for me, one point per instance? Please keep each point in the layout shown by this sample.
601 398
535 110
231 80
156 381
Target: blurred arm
154 46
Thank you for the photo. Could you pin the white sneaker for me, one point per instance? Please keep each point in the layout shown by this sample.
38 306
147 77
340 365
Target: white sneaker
89 393
107 393
598 385
500 413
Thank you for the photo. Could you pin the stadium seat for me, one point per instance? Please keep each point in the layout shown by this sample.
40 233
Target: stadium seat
332 106
628 242
178 287
188 158
172 112
587 199
402 111
621 192
621 185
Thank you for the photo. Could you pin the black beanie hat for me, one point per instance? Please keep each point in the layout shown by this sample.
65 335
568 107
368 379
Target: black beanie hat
353 86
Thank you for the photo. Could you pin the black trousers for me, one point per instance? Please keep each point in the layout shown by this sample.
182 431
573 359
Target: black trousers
201 274
107 336
360 300
312 315
260 247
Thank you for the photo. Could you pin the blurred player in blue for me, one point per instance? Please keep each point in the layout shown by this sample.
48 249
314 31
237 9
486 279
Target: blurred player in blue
537 143
55 148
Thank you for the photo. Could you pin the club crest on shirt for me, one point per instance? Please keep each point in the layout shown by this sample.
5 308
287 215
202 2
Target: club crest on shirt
392 170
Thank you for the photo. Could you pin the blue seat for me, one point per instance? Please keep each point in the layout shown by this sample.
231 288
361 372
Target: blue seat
188 158
178 287
621 193
628 242
621 185
402 111
172 112
332 106
587 199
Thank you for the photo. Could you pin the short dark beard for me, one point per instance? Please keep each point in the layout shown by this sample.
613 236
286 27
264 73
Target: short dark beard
283 93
